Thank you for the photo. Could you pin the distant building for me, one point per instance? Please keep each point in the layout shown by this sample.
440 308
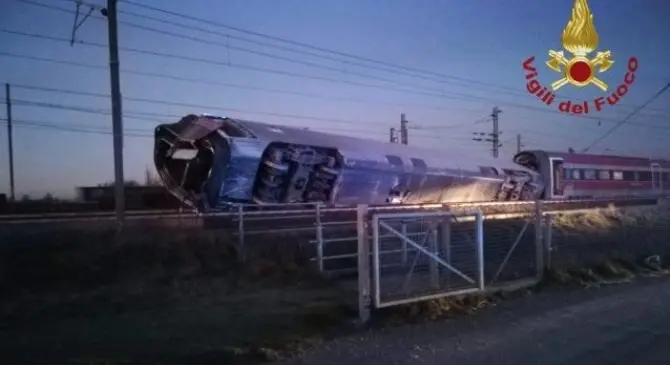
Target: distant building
137 197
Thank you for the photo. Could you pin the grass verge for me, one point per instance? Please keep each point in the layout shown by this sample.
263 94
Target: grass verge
176 297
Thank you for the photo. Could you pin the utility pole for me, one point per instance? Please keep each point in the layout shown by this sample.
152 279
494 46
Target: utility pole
404 133
393 135
117 116
494 137
10 142
519 145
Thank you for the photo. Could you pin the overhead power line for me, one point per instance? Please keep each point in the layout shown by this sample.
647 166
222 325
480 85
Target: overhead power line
204 108
139 115
625 120
395 69
69 127
444 96
231 85
219 24
308 46
158 118
426 91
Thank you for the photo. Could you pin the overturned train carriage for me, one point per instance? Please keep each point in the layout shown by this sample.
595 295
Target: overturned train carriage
210 162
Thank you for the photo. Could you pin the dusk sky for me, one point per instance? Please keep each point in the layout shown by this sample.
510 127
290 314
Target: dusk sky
458 59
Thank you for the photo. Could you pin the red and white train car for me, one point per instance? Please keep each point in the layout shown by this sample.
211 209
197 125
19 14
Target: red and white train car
583 176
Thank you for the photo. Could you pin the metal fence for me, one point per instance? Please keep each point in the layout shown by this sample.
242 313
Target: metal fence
421 254
332 238
402 254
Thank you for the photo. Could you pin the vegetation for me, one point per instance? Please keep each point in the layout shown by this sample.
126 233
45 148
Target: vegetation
183 296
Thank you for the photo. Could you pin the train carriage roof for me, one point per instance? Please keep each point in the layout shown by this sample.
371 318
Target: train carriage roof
594 159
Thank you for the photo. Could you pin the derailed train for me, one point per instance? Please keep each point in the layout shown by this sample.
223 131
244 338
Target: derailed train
211 162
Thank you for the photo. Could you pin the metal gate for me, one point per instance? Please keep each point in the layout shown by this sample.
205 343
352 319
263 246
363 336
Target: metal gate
425 255
514 252
410 255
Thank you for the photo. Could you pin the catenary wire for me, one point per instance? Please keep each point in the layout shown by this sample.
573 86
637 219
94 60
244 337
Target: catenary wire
469 82
464 96
625 120
134 114
141 115
436 93
292 116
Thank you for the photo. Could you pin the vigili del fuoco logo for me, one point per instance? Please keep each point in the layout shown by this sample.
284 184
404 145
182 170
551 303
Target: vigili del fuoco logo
579 68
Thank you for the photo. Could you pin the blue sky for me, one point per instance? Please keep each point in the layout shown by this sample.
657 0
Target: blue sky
484 41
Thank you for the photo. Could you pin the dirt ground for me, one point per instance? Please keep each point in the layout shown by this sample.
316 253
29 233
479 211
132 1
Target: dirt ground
188 322
607 325
158 298
206 321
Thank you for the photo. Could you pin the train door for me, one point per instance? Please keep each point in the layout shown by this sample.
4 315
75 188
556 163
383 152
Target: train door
556 187
656 177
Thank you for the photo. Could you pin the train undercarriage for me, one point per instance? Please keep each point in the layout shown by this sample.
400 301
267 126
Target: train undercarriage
290 173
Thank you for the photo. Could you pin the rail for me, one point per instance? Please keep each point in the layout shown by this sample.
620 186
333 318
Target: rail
307 208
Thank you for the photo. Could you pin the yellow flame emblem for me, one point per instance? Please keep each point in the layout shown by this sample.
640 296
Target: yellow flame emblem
579 38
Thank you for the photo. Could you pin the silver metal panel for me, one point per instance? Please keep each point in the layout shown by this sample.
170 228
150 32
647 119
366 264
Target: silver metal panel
353 148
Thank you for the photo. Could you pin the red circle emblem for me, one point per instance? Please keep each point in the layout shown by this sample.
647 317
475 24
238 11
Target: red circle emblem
580 71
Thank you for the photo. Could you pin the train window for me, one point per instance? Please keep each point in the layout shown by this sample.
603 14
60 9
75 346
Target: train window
576 174
644 176
567 174
603 175
617 175
666 176
629 176
589 174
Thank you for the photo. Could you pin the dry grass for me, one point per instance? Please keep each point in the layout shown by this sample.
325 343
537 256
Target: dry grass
183 296
589 239
161 296
609 219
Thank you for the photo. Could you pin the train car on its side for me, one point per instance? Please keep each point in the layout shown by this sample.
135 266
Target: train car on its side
585 176
209 162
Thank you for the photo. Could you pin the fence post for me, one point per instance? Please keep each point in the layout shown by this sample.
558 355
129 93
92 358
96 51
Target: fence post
240 233
548 244
539 240
445 244
479 228
319 238
403 230
364 300
432 264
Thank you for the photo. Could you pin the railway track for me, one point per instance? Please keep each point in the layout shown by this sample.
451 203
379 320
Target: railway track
298 211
